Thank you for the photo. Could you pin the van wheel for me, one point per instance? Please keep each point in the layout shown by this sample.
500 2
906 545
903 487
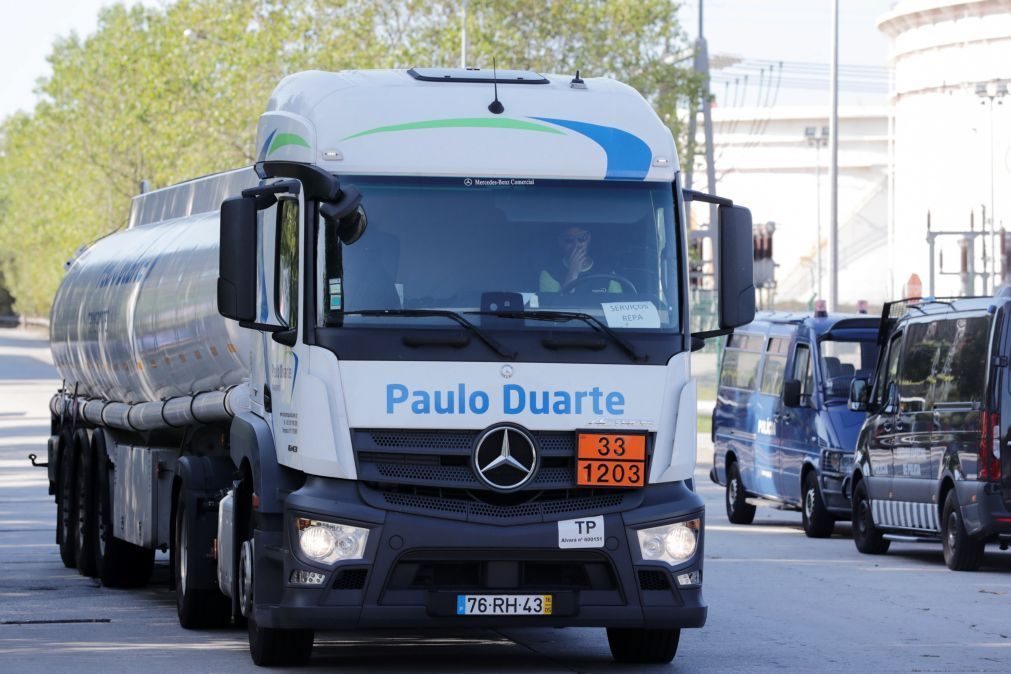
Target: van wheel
87 515
739 511
867 537
117 563
66 515
818 521
643 646
961 551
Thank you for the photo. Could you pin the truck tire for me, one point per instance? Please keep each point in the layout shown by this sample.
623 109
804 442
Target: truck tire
867 537
818 521
197 608
739 511
66 511
643 646
87 515
961 551
117 562
269 647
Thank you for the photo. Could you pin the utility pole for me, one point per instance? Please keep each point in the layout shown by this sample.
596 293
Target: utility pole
701 65
833 170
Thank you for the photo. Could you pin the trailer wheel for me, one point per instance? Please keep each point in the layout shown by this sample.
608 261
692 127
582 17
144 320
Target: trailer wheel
269 647
66 511
818 521
87 516
118 563
197 608
643 646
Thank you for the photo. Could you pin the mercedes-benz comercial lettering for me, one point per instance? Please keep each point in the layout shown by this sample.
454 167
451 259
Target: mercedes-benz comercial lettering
424 364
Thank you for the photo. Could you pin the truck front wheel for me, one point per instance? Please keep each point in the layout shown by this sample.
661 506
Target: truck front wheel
643 646
197 607
268 646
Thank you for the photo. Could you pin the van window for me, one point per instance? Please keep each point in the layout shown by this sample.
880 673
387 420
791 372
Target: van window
944 363
740 361
890 370
775 365
802 370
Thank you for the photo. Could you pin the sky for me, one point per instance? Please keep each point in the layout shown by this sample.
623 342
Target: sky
763 32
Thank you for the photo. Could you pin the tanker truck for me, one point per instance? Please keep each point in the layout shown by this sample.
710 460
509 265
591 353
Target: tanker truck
424 364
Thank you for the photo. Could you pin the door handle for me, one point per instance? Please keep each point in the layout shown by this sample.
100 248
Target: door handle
267 407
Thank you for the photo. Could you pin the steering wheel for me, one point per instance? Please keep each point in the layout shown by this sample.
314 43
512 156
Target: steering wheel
626 284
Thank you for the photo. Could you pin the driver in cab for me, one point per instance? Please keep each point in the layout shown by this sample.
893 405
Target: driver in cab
574 269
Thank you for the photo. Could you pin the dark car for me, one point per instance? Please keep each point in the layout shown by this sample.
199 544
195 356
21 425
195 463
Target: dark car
782 432
929 464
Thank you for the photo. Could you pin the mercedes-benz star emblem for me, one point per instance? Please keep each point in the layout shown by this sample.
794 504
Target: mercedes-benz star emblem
505 458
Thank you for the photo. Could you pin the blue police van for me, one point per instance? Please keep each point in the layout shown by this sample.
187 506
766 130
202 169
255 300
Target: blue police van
783 433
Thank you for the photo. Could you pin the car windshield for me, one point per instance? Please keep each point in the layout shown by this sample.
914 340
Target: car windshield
603 248
842 360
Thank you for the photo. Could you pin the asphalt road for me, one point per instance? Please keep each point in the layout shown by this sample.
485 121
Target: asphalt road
777 600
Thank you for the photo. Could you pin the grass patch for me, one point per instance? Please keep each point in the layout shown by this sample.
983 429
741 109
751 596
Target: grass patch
705 423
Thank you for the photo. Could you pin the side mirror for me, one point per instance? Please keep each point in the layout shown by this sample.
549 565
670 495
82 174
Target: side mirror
737 268
791 393
859 394
237 259
346 216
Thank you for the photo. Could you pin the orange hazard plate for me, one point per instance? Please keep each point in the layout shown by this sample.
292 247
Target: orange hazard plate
611 460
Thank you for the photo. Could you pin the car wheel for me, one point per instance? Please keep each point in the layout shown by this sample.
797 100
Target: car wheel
739 511
643 646
818 521
961 551
868 538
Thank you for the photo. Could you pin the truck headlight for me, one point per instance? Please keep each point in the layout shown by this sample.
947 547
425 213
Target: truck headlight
671 543
328 542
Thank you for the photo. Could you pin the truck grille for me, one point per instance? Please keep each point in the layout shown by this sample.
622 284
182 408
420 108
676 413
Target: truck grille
429 472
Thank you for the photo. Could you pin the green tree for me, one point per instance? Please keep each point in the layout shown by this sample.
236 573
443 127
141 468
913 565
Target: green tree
168 93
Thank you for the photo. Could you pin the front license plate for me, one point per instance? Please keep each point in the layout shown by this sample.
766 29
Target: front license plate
503 604
611 460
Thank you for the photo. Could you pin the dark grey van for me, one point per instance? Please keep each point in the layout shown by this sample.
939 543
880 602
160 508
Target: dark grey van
933 460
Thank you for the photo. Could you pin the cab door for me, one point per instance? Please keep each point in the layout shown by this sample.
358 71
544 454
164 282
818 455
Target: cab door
799 438
881 432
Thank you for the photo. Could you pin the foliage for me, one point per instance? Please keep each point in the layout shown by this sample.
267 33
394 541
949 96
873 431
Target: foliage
168 93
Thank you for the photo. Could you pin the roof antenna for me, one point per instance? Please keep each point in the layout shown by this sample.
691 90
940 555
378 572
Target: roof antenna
495 107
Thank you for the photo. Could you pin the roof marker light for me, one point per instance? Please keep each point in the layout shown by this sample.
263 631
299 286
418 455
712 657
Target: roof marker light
862 306
661 162
820 308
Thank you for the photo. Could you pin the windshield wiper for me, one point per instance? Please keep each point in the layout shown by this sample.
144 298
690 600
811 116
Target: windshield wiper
444 313
564 316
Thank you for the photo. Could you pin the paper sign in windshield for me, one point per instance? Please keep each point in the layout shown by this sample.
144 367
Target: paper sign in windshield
631 314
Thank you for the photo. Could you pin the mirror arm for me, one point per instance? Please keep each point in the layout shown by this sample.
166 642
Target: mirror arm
692 195
709 334
262 327
285 336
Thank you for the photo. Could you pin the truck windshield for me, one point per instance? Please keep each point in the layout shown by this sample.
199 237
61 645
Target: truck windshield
842 360
603 248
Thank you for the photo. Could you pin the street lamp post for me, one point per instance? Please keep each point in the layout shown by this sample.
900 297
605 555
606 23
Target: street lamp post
817 142
989 92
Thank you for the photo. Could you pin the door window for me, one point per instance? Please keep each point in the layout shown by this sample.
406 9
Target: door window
802 370
888 373
286 287
944 363
775 365
740 361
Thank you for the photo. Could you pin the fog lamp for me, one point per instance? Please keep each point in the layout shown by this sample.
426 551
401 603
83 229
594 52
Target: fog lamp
329 542
671 543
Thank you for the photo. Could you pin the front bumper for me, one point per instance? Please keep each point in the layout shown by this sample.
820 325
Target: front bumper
833 494
416 565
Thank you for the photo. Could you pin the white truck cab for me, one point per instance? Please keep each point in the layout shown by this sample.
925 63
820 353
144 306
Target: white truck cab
454 388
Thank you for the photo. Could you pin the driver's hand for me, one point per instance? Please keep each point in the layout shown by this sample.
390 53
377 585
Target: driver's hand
574 264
